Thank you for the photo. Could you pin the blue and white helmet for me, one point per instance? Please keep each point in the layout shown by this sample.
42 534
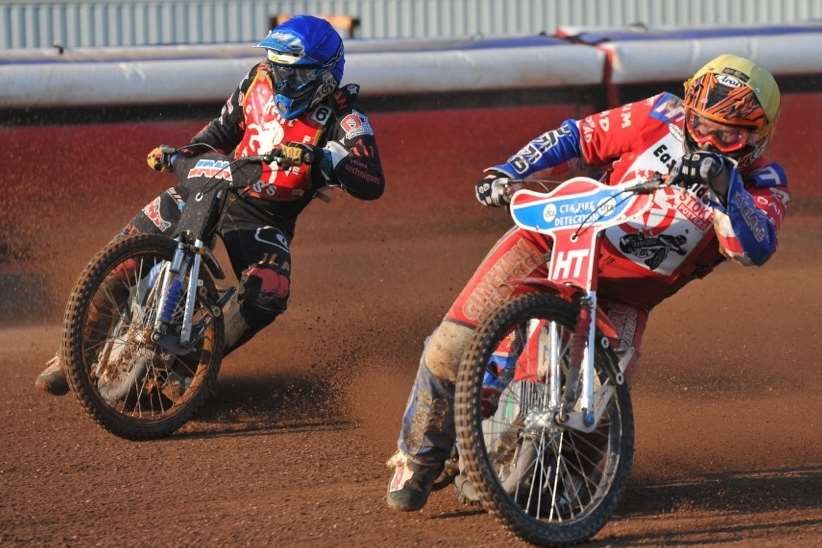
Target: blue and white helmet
306 56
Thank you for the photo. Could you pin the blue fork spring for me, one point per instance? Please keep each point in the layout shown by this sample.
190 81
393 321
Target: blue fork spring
173 296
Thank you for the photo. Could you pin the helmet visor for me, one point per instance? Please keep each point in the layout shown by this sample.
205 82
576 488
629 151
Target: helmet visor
722 137
293 78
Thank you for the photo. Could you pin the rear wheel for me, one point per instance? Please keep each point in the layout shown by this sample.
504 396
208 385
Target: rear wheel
546 482
124 380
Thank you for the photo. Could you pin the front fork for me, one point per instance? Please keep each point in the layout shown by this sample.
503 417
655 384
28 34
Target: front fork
588 304
172 288
581 364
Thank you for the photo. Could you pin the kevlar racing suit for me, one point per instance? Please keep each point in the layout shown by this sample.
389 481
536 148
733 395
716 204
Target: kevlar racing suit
258 229
683 237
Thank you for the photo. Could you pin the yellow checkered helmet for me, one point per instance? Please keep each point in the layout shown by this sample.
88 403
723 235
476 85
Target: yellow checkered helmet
731 107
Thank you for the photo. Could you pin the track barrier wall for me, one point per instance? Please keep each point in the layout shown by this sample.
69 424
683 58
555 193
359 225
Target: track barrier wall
442 112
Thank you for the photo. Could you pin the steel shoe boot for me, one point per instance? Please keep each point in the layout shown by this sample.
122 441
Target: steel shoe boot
411 483
52 379
466 491
450 471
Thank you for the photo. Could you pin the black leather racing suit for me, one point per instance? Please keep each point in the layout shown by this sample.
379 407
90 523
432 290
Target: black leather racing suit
257 232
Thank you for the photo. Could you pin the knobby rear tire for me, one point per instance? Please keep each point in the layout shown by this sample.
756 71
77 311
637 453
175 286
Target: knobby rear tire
468 418
72 347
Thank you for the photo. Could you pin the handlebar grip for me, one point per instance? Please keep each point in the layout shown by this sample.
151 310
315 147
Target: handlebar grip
646 187
261 158
657 181
276 155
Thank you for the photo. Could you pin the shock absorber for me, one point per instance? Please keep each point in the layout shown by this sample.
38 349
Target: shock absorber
172 297
171 289
582 358
589 302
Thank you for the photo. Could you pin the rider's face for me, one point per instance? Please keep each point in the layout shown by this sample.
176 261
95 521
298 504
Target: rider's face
716 137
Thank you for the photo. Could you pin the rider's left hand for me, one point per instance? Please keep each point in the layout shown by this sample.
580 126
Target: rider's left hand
703 168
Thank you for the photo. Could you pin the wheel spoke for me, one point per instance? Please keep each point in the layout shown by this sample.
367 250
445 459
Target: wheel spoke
185 365
554 491
581 470
157 387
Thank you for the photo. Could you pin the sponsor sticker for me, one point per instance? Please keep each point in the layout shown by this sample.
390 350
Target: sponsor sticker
217 169
356 125
178 200
748 211
728 80
668 108
549 213
625 114
531 153
152 211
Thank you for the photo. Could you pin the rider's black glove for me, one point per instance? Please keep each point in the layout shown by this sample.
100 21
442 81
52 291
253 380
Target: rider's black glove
294 154
702 168
160 158
493 190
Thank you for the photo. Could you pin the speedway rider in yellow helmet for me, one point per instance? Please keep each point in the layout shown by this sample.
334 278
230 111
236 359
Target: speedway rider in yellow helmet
728 203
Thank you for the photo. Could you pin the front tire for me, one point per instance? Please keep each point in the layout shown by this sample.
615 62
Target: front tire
548 484
125 381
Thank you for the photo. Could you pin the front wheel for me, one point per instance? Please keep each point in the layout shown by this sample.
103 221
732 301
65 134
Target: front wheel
547 483
124 380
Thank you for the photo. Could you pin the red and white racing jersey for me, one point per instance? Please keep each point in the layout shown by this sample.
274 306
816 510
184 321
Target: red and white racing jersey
265 129
686 233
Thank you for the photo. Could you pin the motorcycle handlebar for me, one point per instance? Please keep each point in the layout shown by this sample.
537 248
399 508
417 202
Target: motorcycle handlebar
276 155
271 156
656 181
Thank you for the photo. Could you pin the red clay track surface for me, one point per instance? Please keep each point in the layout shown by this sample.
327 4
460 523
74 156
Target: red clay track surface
728 399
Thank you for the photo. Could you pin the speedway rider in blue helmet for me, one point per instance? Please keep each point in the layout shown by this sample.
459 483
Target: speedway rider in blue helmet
291 101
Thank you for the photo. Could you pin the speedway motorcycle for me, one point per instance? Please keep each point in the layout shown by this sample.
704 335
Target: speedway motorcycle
143 329
552 460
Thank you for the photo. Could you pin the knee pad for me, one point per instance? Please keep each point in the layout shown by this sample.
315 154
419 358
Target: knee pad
265 289
444 348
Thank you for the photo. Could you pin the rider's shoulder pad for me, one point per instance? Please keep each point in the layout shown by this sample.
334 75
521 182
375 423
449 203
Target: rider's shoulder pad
346 96
765 174
355 124
667 108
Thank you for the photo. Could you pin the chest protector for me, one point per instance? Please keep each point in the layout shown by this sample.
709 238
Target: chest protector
265 129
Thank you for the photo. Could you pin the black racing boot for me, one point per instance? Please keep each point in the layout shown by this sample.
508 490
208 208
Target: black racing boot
411 483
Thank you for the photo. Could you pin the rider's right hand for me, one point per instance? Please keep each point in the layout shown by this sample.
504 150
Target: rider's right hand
494 189
293 154
160 158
